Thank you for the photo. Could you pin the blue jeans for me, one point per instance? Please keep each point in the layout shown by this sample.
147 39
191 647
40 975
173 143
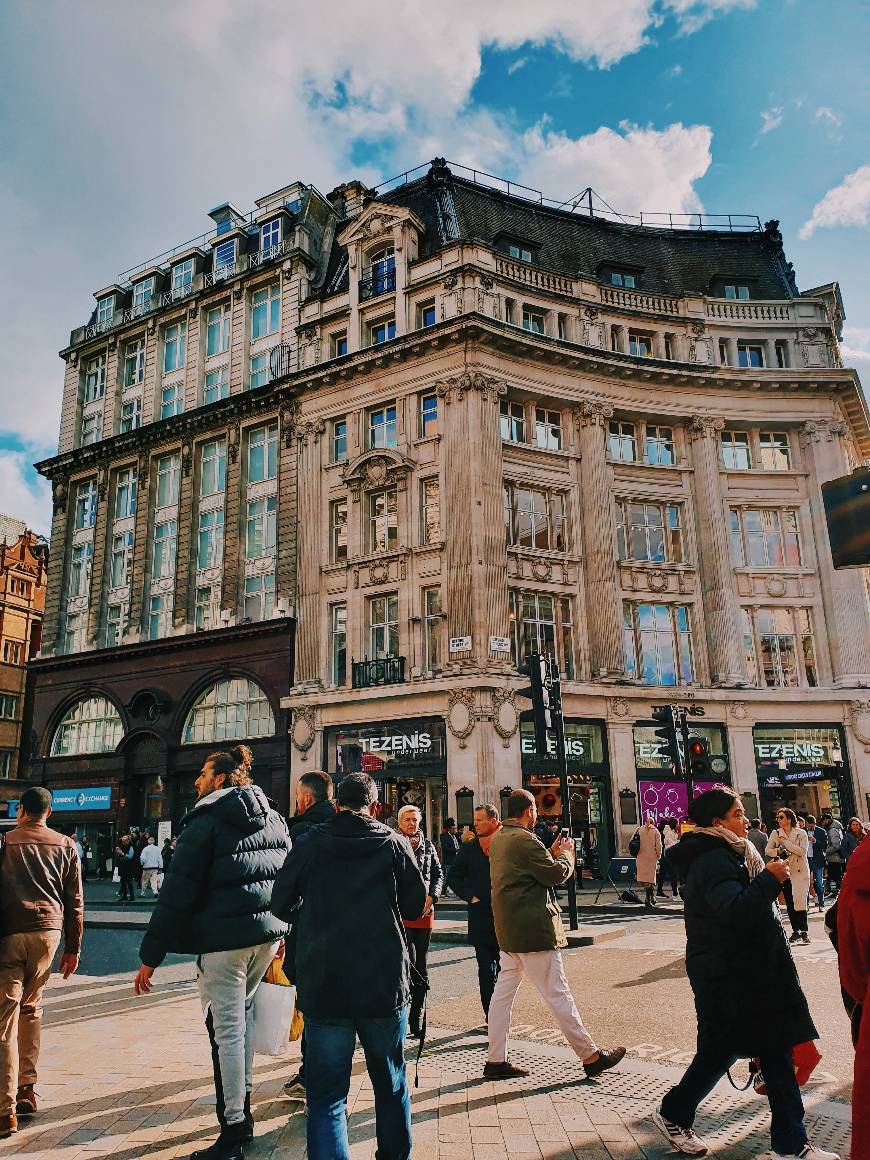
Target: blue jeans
329 1047
788 1135
819 883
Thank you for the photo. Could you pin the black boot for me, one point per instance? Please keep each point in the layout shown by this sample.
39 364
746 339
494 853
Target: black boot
249 1119
228 1145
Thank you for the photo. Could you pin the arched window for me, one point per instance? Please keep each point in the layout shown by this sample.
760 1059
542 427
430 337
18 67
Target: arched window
91 726
232 710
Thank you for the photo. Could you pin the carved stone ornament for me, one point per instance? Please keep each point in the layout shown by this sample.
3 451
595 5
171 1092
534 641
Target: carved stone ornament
59 491
704 427
461 715
377 469
658 581
74 359
102 482
454 390
542 570
505 715
859 719
288 413
699 329
186 458
304 728
815 430
379 572
485 281
450 282
775 586
738 710
619 707
592 413
591 313
233 444
810 333
310 430
309 334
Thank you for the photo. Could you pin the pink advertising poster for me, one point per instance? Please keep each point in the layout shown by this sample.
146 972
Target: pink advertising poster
663 799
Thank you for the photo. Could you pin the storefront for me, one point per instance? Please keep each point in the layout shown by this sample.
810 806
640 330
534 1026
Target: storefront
804 767
660 793
589 786
407 759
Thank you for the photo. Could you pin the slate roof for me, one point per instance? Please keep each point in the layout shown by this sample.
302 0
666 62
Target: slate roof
674 262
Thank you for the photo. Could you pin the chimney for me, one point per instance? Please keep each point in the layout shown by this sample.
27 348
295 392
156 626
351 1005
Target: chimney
348 200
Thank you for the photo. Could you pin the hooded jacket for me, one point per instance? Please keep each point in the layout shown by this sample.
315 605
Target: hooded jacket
298 825
217 893
748 997
356 880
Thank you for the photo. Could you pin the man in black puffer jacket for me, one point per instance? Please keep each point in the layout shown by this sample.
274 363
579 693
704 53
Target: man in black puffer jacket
216 904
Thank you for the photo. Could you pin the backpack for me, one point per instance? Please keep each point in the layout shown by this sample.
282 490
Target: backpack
634 844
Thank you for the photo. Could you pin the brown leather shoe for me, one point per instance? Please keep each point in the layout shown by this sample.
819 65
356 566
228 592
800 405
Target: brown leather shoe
25 1101
503 1071
8 1125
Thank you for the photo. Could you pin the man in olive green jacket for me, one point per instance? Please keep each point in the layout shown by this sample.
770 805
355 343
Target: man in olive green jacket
528 925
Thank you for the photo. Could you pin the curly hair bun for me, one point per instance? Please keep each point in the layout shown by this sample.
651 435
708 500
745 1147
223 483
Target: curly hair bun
242 756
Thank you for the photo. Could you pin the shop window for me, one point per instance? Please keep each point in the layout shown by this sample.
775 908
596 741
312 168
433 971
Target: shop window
735 451
90 726
548 429
765 537
535 518
660 447
658 645
383 521
774 450
544 624
622 444
338 645
649 532
231 710
430 511
338 531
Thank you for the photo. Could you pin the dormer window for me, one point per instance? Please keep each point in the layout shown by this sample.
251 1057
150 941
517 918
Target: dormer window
623 278
224 255
143 292
519 253
736 292
270 235
380 276
182 278
106 310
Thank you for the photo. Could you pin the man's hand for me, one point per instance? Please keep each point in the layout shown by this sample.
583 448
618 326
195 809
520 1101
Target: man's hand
68 964
427 909
473 899
562 846
142 982
779 869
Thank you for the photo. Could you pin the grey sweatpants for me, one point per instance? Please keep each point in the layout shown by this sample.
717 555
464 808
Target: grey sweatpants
227 982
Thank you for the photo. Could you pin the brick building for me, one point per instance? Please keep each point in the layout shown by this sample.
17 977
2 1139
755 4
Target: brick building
440 425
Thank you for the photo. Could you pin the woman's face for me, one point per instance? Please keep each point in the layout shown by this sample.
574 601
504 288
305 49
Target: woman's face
856 828
409 824
783 821
735 820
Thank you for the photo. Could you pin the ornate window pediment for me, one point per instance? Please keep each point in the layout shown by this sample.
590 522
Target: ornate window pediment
376 469
377 222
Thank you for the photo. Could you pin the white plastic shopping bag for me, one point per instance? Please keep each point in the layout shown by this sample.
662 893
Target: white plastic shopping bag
273 1013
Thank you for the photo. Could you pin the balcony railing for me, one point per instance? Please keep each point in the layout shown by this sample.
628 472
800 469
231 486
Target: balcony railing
375 283
270 254
638 300
282 361
532 276
221 274
368 674
750 311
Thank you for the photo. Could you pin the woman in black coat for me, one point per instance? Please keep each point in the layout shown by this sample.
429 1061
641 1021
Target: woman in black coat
748 997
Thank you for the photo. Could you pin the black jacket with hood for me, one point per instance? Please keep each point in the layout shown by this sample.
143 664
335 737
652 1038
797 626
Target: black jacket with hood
356 880
217 894
298 825
748 996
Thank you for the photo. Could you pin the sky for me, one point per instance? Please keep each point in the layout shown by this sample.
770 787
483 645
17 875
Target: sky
123 123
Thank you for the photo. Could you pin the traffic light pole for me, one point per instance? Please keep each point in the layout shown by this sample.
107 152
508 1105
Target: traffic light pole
559 729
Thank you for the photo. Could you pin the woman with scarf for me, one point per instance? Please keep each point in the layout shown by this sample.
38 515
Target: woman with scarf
418 931
791 841
748 997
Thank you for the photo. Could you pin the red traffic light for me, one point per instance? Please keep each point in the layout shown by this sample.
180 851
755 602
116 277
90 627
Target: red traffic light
698 747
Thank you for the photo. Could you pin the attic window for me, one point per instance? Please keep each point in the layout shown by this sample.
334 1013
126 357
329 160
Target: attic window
737 292
519 253
225 254
622 278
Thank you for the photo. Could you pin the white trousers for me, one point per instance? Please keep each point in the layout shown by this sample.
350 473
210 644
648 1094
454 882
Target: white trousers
545 972
151 878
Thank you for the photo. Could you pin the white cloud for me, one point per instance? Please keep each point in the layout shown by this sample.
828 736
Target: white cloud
855 347
823 113
772 118
22 494
517 64
694 14
847 204
676 71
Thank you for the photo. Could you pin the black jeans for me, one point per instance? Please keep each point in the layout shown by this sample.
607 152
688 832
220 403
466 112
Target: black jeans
126 887
788 1135
417 939
799 919
488 965
835 874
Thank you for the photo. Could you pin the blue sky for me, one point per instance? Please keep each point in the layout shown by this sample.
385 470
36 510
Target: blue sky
123 124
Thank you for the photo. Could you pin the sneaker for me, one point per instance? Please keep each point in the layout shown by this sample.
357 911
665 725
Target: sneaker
605 1060
503 1071
294 1090
680 1139
795 938
805 938
810 1152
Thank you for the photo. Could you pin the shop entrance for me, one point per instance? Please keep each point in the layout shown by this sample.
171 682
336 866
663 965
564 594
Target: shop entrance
589 793
803 767
660 793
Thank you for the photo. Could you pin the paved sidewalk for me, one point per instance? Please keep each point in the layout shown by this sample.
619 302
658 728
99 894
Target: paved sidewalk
127 1078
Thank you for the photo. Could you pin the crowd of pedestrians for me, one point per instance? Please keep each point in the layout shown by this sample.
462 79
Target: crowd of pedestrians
348 904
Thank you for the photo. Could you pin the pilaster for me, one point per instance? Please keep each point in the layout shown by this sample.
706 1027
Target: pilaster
56 565
606 655
724 640
310 552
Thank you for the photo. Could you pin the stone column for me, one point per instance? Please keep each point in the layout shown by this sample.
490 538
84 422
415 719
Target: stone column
724 639
57 560
844 596
606 654
623 775
188 542
309 609
98 560
233 585
285 579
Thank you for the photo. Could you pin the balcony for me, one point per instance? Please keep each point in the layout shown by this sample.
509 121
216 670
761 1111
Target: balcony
371 674
282 361
270 254
376 282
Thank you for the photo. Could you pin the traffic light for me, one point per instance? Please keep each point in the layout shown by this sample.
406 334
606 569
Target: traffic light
539 693
847 510
669 732
699 758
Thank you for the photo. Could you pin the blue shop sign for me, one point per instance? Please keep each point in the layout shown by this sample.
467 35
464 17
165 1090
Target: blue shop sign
70 800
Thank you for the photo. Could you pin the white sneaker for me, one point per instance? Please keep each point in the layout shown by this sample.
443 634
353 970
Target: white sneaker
680 1139
810 1152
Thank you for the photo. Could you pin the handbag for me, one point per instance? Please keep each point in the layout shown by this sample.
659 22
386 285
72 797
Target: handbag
273 1008
634 844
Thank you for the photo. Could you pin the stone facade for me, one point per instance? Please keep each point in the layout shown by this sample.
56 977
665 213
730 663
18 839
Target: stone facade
499 426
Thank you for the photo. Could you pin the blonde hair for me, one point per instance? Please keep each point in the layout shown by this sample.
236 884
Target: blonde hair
409 810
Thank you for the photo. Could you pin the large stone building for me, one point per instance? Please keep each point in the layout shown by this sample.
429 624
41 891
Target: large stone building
440 426
23 567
